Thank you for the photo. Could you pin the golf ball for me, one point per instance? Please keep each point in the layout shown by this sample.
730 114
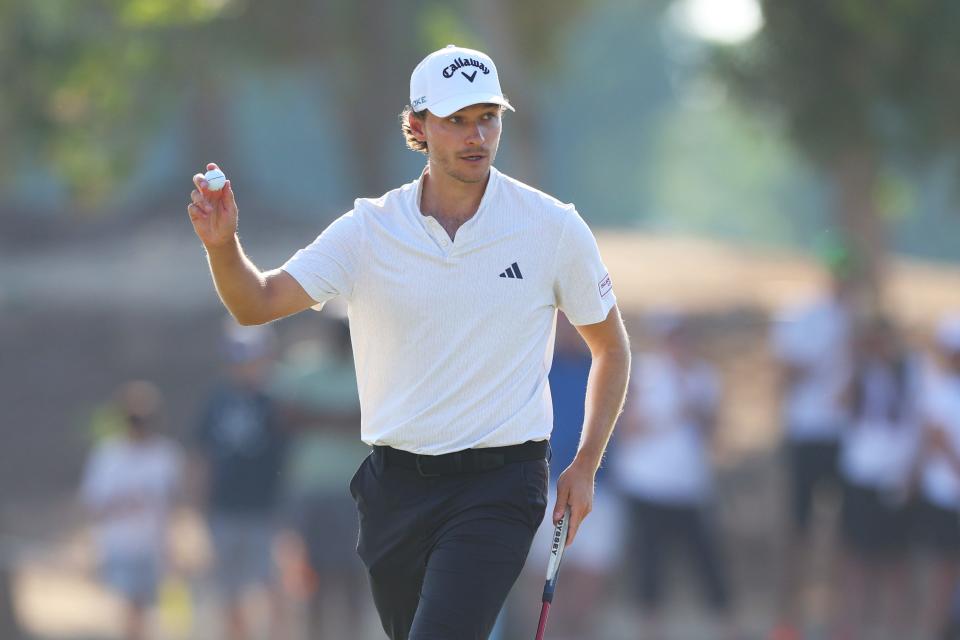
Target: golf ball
215 179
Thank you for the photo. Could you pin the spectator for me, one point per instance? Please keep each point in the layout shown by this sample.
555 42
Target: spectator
663 468
241 449
938 508
812 345
320 381
877 456
128 488
588 564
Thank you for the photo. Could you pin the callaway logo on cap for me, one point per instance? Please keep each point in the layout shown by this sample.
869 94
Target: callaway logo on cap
453 78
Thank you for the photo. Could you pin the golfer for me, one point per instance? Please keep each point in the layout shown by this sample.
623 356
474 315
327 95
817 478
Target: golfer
452 284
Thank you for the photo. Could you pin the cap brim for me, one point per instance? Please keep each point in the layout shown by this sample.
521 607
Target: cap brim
446 107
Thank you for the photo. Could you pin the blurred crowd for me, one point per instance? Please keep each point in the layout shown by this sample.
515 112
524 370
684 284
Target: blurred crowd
266 465
870 431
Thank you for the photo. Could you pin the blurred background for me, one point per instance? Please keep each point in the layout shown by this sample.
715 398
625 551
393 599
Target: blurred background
767 180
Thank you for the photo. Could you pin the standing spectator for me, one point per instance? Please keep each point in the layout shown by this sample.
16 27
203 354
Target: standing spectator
812 345
241 449
662 464
128 488
587 565
938 509
877 456
323 458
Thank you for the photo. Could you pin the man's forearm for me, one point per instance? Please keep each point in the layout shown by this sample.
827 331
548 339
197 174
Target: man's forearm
239 283
606 391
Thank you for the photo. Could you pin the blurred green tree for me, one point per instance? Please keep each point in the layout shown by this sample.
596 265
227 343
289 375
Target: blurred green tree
858 83
80 82
367 50
84 85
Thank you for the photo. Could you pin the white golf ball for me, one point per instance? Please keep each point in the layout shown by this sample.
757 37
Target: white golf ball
215 179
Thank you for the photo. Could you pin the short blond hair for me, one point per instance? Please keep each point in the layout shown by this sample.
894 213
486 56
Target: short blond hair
412 142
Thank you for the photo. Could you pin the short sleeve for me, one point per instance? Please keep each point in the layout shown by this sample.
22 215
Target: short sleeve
788 339
94 487
583 289
934 402
328 266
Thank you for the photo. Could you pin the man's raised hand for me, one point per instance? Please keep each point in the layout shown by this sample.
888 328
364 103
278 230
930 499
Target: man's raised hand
213 213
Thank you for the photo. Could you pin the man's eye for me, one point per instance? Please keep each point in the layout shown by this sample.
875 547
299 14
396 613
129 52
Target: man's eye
454 120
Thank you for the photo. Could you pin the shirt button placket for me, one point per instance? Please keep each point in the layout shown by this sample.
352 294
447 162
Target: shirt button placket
441 235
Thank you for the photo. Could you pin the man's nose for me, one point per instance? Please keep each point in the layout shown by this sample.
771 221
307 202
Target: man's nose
476 135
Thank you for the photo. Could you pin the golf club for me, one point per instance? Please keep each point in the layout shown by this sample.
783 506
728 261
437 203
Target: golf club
558 544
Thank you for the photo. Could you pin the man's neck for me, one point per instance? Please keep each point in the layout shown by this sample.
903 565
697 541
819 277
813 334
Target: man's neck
449 200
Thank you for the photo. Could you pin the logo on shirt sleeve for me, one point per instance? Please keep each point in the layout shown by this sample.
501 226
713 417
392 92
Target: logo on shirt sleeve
605 285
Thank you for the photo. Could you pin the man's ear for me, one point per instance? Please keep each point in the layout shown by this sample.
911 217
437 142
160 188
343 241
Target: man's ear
417 127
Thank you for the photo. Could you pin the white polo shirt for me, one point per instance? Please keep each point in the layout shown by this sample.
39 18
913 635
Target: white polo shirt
453 340
940 406
668 461
816 338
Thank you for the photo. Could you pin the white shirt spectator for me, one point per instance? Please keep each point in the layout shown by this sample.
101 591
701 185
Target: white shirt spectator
132 483
816 340
940 406
453 339
668 461
880 447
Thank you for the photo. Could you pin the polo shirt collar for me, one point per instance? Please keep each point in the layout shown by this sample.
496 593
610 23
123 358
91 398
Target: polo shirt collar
468 230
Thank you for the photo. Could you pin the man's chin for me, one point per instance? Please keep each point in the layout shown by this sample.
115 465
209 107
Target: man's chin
471 179
465 171
475 173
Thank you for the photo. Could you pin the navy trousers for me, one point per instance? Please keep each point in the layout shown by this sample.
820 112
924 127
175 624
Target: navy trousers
443 552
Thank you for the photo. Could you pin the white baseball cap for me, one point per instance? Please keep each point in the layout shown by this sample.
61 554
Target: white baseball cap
452 78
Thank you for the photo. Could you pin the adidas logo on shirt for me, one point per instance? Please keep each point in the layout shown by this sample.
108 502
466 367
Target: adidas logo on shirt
513 271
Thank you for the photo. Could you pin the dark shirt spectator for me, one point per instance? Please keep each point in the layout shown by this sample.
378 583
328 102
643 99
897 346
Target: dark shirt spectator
244 444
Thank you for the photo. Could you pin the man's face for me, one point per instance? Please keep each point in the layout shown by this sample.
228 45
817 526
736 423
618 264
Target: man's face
464 144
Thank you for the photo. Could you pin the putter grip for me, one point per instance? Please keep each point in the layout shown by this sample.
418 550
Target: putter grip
557 546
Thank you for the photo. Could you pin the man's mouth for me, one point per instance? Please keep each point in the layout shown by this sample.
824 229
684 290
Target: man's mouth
474 157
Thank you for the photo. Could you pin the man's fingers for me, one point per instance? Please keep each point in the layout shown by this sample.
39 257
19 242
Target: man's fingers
578 513
198 181
228 197
572 531
200 201
211 166
196 213
563 495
